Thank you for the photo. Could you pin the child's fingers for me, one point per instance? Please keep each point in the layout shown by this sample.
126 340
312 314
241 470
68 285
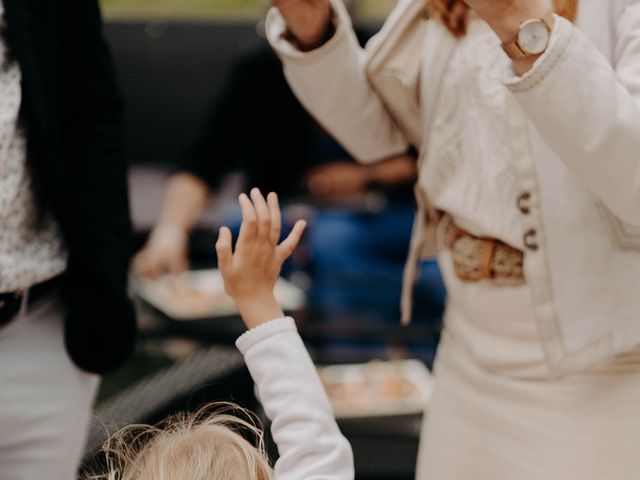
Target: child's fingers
286 248
276 218
262 212
223 249
249 227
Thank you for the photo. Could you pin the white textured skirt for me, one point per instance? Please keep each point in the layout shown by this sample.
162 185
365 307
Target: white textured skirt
496 413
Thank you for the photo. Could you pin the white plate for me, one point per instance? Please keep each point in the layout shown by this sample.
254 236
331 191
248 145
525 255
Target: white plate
378 389
199 294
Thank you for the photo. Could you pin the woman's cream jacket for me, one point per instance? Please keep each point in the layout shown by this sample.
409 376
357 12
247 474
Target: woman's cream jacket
576 150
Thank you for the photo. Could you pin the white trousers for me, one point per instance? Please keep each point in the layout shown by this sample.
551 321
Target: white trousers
45 400
497 415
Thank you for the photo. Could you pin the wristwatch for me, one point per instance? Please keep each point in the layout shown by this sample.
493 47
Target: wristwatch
532 39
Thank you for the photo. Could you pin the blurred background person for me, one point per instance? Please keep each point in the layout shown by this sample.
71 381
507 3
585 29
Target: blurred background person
65 233
360 216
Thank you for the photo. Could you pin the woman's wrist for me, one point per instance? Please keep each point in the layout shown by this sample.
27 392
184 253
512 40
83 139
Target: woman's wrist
506 23
169 234
506 20
523 65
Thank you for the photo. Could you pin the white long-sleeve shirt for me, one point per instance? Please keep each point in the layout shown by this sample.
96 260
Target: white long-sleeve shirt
303 425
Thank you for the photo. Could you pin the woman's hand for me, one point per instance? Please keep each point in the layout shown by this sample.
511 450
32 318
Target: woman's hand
337 180
167 250
341 180
250 273
164 252
308 20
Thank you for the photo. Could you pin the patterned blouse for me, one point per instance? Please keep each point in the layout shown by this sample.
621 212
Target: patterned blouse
31 251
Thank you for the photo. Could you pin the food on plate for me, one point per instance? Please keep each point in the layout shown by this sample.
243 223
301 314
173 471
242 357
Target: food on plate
199 294
185 293
377 388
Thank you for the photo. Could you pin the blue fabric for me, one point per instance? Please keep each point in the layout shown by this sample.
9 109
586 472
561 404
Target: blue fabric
358 260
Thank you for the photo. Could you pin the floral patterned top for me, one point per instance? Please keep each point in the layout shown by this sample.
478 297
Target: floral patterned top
31 249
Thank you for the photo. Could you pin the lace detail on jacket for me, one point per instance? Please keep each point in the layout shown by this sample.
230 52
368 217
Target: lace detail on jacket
468 169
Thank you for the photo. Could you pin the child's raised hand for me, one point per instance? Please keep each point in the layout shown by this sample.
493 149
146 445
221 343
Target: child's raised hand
250 273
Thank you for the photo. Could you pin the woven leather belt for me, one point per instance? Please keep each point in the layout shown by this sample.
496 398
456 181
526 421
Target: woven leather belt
476 259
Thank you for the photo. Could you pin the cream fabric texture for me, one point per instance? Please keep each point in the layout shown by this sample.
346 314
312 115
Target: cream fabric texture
496 415
572 132
468 172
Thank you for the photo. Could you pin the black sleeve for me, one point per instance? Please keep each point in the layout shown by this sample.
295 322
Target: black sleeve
219 145
93 125
100 325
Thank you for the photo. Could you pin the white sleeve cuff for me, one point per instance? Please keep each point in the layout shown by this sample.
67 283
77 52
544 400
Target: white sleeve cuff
560 39
265 331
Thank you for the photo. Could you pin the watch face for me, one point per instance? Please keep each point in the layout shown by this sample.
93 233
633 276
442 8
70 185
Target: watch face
533 37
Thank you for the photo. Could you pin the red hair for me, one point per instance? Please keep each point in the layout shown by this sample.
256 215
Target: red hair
455 13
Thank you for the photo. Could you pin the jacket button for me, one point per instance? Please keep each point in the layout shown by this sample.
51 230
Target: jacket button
530 241
523 203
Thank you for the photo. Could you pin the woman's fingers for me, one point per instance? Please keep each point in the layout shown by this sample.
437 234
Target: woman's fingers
223 249
249 227
286 248
262 212
276 218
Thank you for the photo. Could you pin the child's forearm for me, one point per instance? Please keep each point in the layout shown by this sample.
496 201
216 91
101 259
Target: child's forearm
258 309
309 441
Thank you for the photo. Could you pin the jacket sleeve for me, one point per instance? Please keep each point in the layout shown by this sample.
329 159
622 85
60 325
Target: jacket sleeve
97 226
303 426
331 83
588 111
93 117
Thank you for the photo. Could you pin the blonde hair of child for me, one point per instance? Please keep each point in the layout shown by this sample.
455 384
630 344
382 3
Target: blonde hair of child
207 445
